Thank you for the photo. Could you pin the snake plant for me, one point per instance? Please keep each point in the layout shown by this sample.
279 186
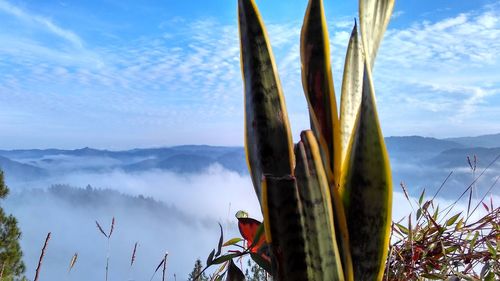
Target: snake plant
326 201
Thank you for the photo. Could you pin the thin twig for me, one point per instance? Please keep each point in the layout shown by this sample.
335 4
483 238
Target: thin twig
112 227
164 266
132 259
157 268
109 242
470 185
479 203
442 184
37 273
100 229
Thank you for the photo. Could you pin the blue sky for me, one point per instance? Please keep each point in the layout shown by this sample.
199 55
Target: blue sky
119 74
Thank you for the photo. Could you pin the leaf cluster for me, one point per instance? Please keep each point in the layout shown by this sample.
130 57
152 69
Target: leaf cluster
432 244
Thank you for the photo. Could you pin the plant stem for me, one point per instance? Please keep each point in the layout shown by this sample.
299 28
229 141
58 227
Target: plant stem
41 257
164 266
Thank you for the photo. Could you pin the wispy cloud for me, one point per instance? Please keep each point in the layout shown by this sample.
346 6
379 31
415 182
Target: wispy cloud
449 66
186 78
38 20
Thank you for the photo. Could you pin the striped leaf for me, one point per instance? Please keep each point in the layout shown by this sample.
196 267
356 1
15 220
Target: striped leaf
314 192
284 227
318 87
268 140
352 84
374 16
367 190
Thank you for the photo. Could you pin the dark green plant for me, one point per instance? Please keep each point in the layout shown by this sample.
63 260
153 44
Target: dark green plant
326 201
11 264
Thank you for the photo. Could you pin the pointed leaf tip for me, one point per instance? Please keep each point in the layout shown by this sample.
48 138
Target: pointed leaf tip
318 87
374 16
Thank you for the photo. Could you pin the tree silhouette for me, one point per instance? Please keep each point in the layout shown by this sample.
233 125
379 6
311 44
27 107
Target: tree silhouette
195 274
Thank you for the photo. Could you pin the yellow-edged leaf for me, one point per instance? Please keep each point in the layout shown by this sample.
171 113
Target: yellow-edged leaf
284 227
318 87
352 84
367 190
374 16
268 141
314 192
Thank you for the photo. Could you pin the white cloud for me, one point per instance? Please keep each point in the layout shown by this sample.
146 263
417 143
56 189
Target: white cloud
37 20
441 70
446 70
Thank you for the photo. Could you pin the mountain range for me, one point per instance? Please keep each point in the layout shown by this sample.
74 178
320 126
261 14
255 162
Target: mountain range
420 162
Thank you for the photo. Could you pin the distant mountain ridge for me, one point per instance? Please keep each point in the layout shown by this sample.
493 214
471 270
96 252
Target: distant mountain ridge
417 146
487 141
21 171
418 161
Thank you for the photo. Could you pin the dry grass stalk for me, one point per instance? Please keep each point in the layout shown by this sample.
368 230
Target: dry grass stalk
108 236
42 255
164 266
72 262
157 268
132 259
112 227
100 229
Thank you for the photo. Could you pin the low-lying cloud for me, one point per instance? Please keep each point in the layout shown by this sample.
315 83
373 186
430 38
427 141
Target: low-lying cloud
187 230
185 224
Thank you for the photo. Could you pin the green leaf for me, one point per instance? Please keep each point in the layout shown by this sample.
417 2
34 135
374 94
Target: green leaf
459 224
224 258
419 213
491 249
473 241
232 241
284 226
490 276
261 262
352 85
374 16
367 190
453 219
210 258
318 87
436 213
234 273
403 229
268 140
451 249
221 240
421 198
314 192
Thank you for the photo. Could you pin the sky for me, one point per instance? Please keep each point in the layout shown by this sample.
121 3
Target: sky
119 74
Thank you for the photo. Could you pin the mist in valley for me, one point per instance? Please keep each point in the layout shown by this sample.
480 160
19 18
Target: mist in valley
180 217
175 209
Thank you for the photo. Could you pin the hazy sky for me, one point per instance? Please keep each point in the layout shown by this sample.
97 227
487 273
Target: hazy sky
120 73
